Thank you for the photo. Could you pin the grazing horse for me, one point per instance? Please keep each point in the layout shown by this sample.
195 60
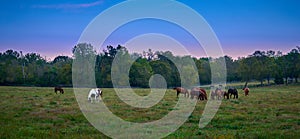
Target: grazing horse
201 93
213 94
226 95
58 88
246 90
96 94
195 93
182 91
219 93
234 92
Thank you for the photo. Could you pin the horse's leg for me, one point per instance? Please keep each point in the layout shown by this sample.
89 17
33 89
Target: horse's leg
200 96
177 93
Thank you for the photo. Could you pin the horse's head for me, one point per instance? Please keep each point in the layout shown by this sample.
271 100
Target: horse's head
99 92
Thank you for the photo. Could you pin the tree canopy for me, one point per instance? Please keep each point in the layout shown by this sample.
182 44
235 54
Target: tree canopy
32 69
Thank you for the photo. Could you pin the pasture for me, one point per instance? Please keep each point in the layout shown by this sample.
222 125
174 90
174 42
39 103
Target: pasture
33 112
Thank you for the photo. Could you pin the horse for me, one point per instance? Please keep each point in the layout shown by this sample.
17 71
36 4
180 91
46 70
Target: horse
234 92
58 88
226 95
246 90
96 94
213 94
219 93
182 91
195 93
200 92
203 94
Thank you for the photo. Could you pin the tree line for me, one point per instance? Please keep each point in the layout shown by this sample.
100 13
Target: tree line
33 70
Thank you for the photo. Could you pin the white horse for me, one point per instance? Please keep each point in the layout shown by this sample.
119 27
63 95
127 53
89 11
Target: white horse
96 94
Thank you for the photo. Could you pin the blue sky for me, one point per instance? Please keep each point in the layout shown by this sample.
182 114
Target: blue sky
53 27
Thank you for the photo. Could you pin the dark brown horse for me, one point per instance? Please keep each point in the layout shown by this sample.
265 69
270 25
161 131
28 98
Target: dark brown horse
182 91
226 95
58 88
234 92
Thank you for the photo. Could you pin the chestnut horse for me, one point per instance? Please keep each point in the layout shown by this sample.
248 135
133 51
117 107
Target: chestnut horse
200 92
182 91
246 90
58 88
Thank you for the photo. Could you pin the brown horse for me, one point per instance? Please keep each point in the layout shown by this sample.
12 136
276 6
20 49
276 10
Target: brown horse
182 91
234 92
203 94
226 95
246 90
213 94
58 88
200 92
195 93
219 93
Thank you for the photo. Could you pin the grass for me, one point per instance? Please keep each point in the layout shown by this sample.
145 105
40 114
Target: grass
32 112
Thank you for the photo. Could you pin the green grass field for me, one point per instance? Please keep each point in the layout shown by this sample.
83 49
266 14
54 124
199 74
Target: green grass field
32 112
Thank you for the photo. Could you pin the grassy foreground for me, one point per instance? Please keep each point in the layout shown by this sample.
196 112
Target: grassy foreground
31 112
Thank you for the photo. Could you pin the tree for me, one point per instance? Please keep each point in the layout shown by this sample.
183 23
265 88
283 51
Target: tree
270 65
162 68
84 65
293 64
140 73
204 71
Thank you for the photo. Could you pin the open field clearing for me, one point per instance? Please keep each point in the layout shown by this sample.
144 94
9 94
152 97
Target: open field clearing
32 112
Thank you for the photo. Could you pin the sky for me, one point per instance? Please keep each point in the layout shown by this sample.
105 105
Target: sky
53 27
